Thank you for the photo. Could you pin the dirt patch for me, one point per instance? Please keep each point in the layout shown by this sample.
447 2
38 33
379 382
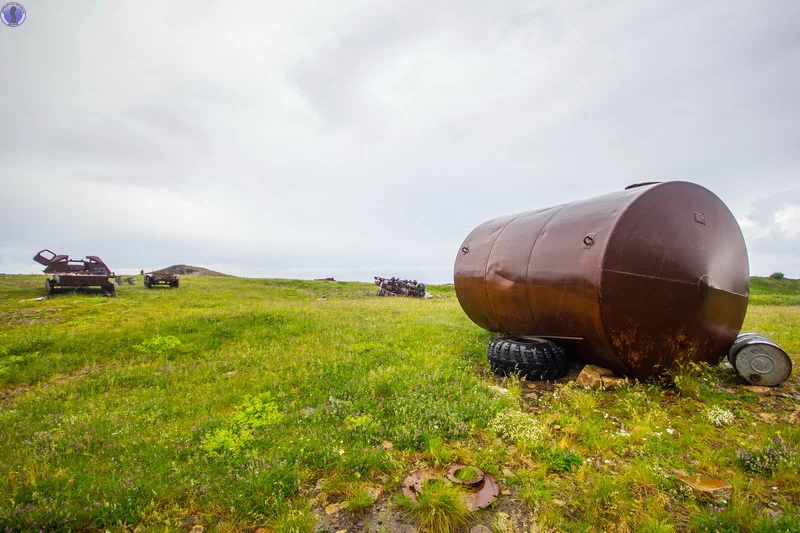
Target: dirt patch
12 392
384 516
22 317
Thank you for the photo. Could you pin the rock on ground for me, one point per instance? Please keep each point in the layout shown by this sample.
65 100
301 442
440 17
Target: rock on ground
710 488
597 377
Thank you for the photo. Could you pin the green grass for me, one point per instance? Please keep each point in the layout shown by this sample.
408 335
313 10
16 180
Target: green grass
467 473
239 404
440 508
768 291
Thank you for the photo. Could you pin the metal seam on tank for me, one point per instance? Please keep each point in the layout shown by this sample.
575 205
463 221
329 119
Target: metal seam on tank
620 217
528 268
602 269
486 268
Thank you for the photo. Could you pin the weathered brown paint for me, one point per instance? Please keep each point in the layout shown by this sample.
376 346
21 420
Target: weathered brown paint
76 273
644 278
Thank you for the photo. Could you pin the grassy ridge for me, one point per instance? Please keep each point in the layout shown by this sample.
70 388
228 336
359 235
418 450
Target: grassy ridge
768 291
245 403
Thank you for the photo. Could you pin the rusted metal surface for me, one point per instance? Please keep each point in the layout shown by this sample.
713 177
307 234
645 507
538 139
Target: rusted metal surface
480 491
75 273
759 360
452 475
62 264
639 280
399 287
412 484
153 279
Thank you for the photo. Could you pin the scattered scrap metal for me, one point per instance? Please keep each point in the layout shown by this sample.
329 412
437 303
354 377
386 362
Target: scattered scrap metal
482 489
399 287
75 273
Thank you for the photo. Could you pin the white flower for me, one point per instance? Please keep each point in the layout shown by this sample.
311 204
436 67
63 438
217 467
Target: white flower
518 426
341 452
670 431
719 416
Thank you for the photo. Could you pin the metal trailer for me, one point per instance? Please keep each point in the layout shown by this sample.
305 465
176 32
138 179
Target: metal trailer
637 281
75 273
152 279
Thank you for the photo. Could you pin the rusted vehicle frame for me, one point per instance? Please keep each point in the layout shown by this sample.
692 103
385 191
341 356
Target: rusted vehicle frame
75 273
154 279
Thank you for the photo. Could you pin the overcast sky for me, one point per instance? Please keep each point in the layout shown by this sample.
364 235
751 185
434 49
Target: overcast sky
351 139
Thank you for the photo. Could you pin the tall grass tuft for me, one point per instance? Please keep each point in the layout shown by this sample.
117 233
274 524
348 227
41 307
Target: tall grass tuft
440 508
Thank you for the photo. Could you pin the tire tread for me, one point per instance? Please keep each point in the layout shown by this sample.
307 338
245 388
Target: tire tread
536 359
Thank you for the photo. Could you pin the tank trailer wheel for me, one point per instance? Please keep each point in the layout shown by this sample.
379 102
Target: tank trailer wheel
536 359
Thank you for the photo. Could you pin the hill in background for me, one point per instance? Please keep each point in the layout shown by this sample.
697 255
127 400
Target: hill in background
189 270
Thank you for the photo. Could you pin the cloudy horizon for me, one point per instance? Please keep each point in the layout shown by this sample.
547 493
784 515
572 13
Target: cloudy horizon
308 139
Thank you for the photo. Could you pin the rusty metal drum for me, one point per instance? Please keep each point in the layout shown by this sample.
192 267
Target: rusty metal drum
759 360
640 280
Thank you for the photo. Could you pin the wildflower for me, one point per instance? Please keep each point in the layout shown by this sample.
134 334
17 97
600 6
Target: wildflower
518 426
765 460
719 416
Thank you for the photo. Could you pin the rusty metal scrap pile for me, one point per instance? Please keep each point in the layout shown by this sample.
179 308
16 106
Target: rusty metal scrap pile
399 287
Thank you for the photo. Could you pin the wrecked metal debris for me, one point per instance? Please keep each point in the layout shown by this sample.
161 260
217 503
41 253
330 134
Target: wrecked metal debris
482 489
399 287
75 273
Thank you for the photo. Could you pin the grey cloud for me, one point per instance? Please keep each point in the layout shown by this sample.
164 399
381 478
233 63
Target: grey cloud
288 139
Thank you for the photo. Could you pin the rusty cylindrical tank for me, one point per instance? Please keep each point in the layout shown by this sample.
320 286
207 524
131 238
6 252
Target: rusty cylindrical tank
640 279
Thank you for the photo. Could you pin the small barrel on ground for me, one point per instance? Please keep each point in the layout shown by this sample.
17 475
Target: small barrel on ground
759 360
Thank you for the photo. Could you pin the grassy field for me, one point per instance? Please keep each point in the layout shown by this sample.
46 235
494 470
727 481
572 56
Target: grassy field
241 404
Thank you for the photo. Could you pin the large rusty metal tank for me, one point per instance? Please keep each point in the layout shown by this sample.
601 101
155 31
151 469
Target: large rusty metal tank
639 280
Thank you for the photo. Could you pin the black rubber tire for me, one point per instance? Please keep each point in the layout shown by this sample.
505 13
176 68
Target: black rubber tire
421 288
48 286
535 359
147 283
